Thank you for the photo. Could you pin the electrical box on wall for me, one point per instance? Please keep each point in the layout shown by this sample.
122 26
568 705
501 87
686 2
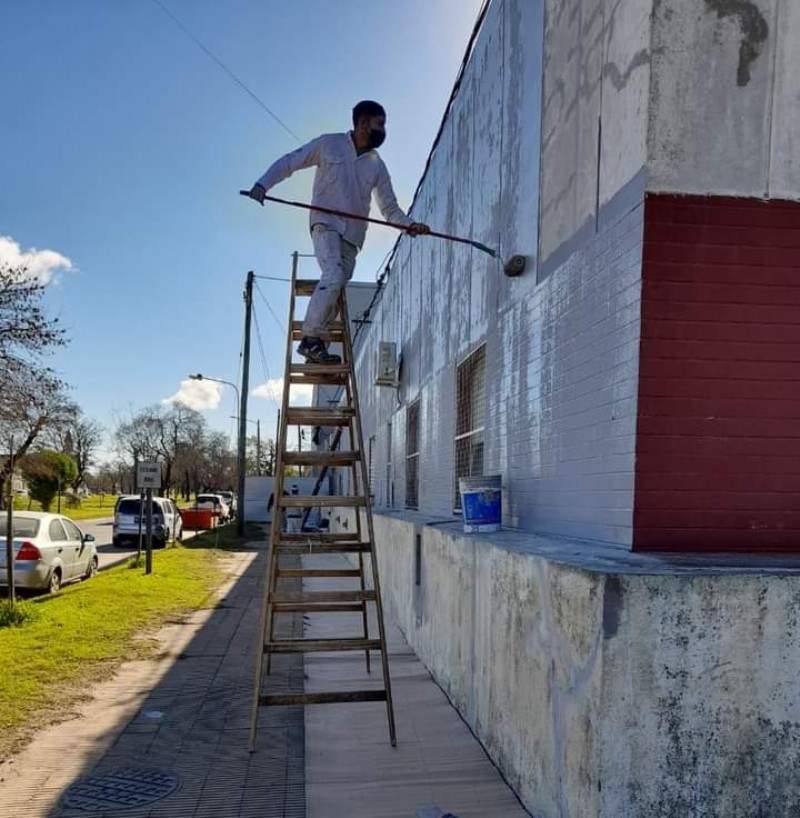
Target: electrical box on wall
386 369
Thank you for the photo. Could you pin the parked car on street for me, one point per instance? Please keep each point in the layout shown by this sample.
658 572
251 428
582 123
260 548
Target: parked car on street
230 498
167 521
49 551
215 502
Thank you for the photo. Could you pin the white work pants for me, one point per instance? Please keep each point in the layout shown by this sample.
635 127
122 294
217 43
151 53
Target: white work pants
337 260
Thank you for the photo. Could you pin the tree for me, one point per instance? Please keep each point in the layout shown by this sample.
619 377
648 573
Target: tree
31 395
79 437
46 473
178 437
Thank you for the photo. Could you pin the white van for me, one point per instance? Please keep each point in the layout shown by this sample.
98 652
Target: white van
167 520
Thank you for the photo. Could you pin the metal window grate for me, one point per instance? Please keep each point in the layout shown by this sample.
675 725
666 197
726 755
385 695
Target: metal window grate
470 418
412 455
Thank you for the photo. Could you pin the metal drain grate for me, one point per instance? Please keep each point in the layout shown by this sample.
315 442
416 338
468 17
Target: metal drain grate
121 789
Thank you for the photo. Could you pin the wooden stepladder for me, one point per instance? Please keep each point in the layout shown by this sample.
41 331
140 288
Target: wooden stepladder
284 544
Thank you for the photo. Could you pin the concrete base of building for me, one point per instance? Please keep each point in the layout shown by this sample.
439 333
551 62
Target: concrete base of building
604 682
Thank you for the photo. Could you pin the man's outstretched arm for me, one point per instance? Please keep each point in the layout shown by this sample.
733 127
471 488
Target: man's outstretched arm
305 157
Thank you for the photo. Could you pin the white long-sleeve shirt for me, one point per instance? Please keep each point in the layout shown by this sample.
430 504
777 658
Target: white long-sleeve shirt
344 180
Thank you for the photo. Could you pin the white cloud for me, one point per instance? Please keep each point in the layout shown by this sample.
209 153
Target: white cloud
42 265
272 389
199 395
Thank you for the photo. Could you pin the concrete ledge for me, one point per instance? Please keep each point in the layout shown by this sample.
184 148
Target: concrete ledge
606 683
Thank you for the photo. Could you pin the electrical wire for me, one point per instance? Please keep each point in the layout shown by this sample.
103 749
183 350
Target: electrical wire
264 364
225 68
269 307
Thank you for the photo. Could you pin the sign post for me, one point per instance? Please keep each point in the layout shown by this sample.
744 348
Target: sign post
148 477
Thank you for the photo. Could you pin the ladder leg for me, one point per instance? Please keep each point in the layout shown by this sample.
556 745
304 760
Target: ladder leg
364 611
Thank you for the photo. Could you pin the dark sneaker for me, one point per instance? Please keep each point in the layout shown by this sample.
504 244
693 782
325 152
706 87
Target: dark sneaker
313 350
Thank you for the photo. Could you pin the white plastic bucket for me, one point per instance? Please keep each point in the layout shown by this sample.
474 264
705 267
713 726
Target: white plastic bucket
481 503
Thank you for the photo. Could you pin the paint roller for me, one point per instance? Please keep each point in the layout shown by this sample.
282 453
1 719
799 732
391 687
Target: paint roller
513 266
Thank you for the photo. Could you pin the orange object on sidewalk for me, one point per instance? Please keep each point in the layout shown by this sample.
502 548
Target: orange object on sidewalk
199 519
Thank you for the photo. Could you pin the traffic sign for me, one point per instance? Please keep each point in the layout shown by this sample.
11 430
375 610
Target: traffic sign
148 475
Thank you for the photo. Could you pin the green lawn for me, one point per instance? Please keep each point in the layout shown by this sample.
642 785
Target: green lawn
80 635
91 508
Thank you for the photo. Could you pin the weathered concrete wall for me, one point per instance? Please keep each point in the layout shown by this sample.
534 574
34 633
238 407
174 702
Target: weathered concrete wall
723 113
613 685
594 131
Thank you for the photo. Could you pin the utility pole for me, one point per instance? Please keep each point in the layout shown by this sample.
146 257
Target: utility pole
242 458
10 525
258 447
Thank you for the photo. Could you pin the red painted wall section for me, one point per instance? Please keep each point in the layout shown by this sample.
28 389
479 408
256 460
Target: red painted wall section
718 440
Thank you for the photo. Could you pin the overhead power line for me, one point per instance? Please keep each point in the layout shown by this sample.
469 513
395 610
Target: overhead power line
225 68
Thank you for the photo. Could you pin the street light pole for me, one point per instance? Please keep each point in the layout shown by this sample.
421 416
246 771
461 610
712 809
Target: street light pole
240 455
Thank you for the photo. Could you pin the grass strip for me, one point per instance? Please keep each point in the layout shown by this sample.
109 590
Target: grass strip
70 640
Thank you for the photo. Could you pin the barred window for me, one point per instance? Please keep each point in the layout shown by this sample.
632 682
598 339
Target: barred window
470 418
412 455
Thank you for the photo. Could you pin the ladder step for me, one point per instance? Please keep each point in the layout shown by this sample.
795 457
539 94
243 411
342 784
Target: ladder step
304 549
318 572
319 537
320 645
322 607
319 373
321 500
320 458
333 333
290 699
322 596
318 416
305 286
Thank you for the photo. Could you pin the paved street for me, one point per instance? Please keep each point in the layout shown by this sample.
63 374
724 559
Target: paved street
108 553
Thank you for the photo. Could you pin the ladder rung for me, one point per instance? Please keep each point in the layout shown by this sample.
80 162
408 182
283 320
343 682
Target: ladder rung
321 380
305 286
322 607
318 416
304 549
320 458
320 645
335 697
319 537
322 596
318 572
333 333
321 500
322 374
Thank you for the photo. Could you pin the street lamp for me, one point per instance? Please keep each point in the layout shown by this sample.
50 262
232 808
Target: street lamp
240 455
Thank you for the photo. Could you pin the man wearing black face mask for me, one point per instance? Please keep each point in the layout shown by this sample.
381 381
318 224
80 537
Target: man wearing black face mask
349 171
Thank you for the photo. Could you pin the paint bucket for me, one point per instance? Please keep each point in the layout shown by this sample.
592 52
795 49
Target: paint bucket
481 503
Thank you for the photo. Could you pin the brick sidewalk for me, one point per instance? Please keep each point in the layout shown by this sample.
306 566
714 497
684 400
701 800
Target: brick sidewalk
186 713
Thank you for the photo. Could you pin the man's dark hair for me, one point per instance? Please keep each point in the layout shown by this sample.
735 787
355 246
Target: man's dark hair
367 107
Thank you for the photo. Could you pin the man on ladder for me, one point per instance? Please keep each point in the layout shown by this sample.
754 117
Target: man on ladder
349 171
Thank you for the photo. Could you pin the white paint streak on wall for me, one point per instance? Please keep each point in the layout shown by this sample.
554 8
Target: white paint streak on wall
626 94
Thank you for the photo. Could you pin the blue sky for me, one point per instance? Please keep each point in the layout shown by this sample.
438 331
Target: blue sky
123 146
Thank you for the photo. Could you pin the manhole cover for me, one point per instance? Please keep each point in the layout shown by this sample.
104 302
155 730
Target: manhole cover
121 789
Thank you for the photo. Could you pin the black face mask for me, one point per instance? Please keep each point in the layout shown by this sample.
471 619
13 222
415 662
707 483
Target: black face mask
376 138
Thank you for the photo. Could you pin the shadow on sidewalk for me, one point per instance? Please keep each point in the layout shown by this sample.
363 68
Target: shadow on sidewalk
193 728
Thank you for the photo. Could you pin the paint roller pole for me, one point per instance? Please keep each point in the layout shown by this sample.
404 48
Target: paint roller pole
476 244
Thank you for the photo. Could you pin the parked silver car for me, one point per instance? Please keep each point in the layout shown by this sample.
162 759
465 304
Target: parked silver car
49 551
